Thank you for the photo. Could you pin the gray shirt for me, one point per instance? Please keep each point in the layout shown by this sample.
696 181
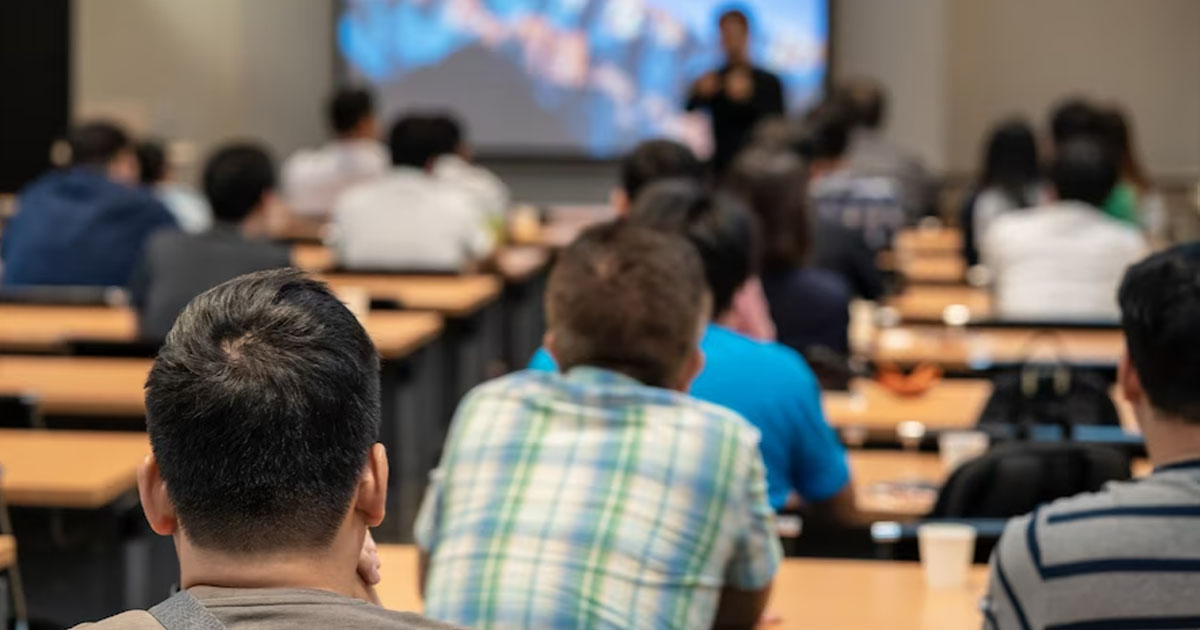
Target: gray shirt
177 267
281 609
1127 557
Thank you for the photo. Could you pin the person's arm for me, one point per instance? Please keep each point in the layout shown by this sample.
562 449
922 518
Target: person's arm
703 92
422 571
821 473
741 610
757 552
1011 601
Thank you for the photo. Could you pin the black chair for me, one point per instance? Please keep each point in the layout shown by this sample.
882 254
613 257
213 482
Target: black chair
19 412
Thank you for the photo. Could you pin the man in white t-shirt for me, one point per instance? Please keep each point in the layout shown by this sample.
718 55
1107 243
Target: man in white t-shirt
409 219
313 179
454 166
1064 260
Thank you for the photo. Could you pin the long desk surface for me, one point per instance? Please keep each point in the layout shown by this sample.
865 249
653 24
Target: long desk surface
981 348
807 594
8 552
936 269
452 296
928 302
952 404
928 242
396 334
69 469
78 386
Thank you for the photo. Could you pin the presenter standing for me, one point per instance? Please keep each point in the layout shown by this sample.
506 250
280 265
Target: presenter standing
738 95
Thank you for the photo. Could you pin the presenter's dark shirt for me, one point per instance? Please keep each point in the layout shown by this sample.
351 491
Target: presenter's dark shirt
732 121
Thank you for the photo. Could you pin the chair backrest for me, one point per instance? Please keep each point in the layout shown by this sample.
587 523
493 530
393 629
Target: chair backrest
1013 479
19 412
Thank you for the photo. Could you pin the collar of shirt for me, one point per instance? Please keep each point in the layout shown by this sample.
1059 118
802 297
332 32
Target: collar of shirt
1187 464
591 375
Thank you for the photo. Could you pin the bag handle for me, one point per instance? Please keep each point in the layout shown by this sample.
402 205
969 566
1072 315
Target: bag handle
1060 363
184 612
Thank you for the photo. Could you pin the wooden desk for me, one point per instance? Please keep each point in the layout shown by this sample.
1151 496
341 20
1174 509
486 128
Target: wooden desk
981 348
927 242
928 302
8 552
69 469
935 269
873 470
313 257
41 328
452 296
78 386
514 264
808 594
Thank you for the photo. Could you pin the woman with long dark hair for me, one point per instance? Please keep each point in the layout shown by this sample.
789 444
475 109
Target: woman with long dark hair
1010 179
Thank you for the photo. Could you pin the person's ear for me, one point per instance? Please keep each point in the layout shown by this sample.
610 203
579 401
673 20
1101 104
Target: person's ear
620 202
691 369
1129 382
152 490
549 342
371 499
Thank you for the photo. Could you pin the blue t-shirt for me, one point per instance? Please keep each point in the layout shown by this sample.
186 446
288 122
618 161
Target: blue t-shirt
78 227
771 386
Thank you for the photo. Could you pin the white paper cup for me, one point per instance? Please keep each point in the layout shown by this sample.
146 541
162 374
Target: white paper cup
956 447
947 550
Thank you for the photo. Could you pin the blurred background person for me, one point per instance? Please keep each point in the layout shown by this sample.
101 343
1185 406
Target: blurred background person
190 210
1009 179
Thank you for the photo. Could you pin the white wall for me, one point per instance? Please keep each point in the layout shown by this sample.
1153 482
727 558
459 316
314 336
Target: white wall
206 70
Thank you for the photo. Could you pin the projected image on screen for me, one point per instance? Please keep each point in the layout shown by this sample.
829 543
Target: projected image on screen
576 76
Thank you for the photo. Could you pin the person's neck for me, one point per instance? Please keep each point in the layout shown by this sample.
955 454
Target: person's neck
1171 440
332 569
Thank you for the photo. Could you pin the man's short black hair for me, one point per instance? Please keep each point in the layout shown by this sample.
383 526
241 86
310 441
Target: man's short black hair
1160 308
414 141
656 160
825 132
627 298
152 161
737 16
235 179
865 101
449 132
719 226
1084 170
348 108
1074 118
97 143
262 407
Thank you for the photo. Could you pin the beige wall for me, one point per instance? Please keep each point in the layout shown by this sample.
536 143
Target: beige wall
206 70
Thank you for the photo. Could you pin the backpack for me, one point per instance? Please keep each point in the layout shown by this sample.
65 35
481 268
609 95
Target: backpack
1047 395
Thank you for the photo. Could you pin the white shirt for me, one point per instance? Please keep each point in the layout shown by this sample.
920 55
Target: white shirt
993 202
408 221
487 189
313 179
191 211
1059 262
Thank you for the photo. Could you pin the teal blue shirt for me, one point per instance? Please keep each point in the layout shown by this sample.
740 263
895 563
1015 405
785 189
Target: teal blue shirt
771 386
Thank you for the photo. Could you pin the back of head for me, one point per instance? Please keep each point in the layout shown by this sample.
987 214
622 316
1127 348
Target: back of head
719 226
414 141
825 132
1010 161
1160 306
348 108
627 298
236 178
1072 119
262 408
865 101
1084 170
774 182
656 160
152 161
448 132
97 143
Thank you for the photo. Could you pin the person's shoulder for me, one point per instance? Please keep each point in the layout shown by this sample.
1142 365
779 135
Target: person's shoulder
773 358
130 620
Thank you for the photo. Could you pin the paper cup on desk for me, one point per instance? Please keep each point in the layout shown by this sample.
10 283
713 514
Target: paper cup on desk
956 447
357 299
946 550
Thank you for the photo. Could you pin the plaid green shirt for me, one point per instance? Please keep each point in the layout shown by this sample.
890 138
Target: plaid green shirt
592 501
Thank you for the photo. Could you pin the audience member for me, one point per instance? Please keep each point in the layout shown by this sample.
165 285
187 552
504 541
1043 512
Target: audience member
263 412
190 210
454 166
1072 119
868 204
1010 179
872 154
810 306
1063 261
1124 557
313 179
239 180
650 162
410 220
603 496
1133 200
768 383
738 95
86 224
